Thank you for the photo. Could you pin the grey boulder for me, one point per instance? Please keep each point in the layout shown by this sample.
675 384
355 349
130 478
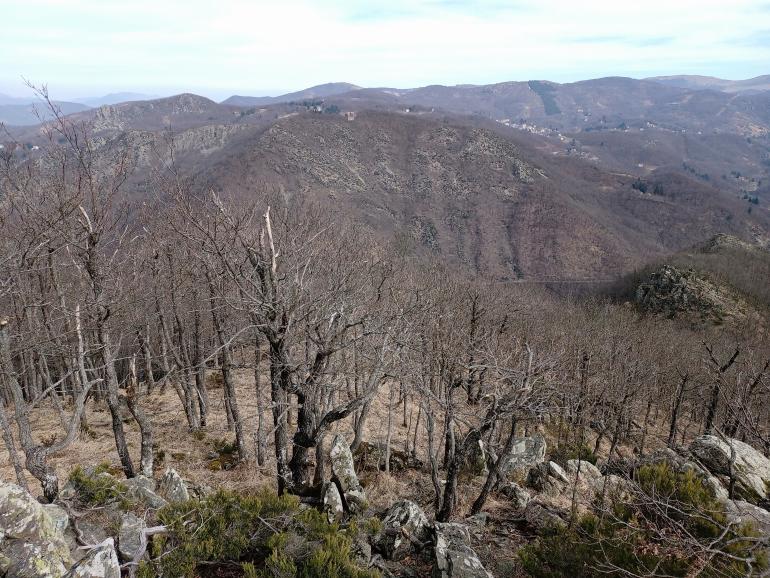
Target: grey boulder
404 528
343 469
454 556
526 453
172 487
100 562
751 469
130 536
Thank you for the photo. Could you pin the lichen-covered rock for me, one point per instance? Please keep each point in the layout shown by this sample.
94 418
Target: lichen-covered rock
403 528
59 517
751 469
454 556
172 487
343 469
100 562
142 489
519 496
130 536
31 546
332 502
526 453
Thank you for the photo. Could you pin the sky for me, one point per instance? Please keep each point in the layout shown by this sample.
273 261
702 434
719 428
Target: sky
216 48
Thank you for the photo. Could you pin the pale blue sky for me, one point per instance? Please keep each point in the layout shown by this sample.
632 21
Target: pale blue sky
90 47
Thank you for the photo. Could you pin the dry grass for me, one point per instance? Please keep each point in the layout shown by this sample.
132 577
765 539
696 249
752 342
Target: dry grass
189 454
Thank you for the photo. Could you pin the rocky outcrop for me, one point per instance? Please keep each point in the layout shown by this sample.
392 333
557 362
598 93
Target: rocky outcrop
172 487
527 452
100 562
671 292
354 498
454 556
743 513
31 545
404 528
751 469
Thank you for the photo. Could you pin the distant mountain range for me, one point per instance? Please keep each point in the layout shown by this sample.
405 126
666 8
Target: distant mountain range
115 98
758 84
320 91
522 180
18 111
29 111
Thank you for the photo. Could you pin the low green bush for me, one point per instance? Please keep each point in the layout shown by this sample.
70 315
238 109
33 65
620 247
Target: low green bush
664 531
265 534
98 489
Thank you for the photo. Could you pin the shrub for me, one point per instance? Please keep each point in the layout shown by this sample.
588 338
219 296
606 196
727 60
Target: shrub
268 535
652 535
97 488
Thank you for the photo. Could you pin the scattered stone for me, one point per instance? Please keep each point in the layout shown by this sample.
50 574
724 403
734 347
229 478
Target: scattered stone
527 452
544 517
454 556
172 487
130 536
342 467
518 495
548 478
31 545
362 550
404 528
332 502
751 469
142 489
100 562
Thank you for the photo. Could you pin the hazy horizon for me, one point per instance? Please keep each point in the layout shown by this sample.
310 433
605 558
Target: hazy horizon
82 48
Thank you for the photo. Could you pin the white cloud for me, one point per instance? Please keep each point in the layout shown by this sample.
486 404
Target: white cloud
248 46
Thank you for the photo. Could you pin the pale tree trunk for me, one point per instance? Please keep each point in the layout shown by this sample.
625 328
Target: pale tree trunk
260 403
149 378
145 425
229 385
